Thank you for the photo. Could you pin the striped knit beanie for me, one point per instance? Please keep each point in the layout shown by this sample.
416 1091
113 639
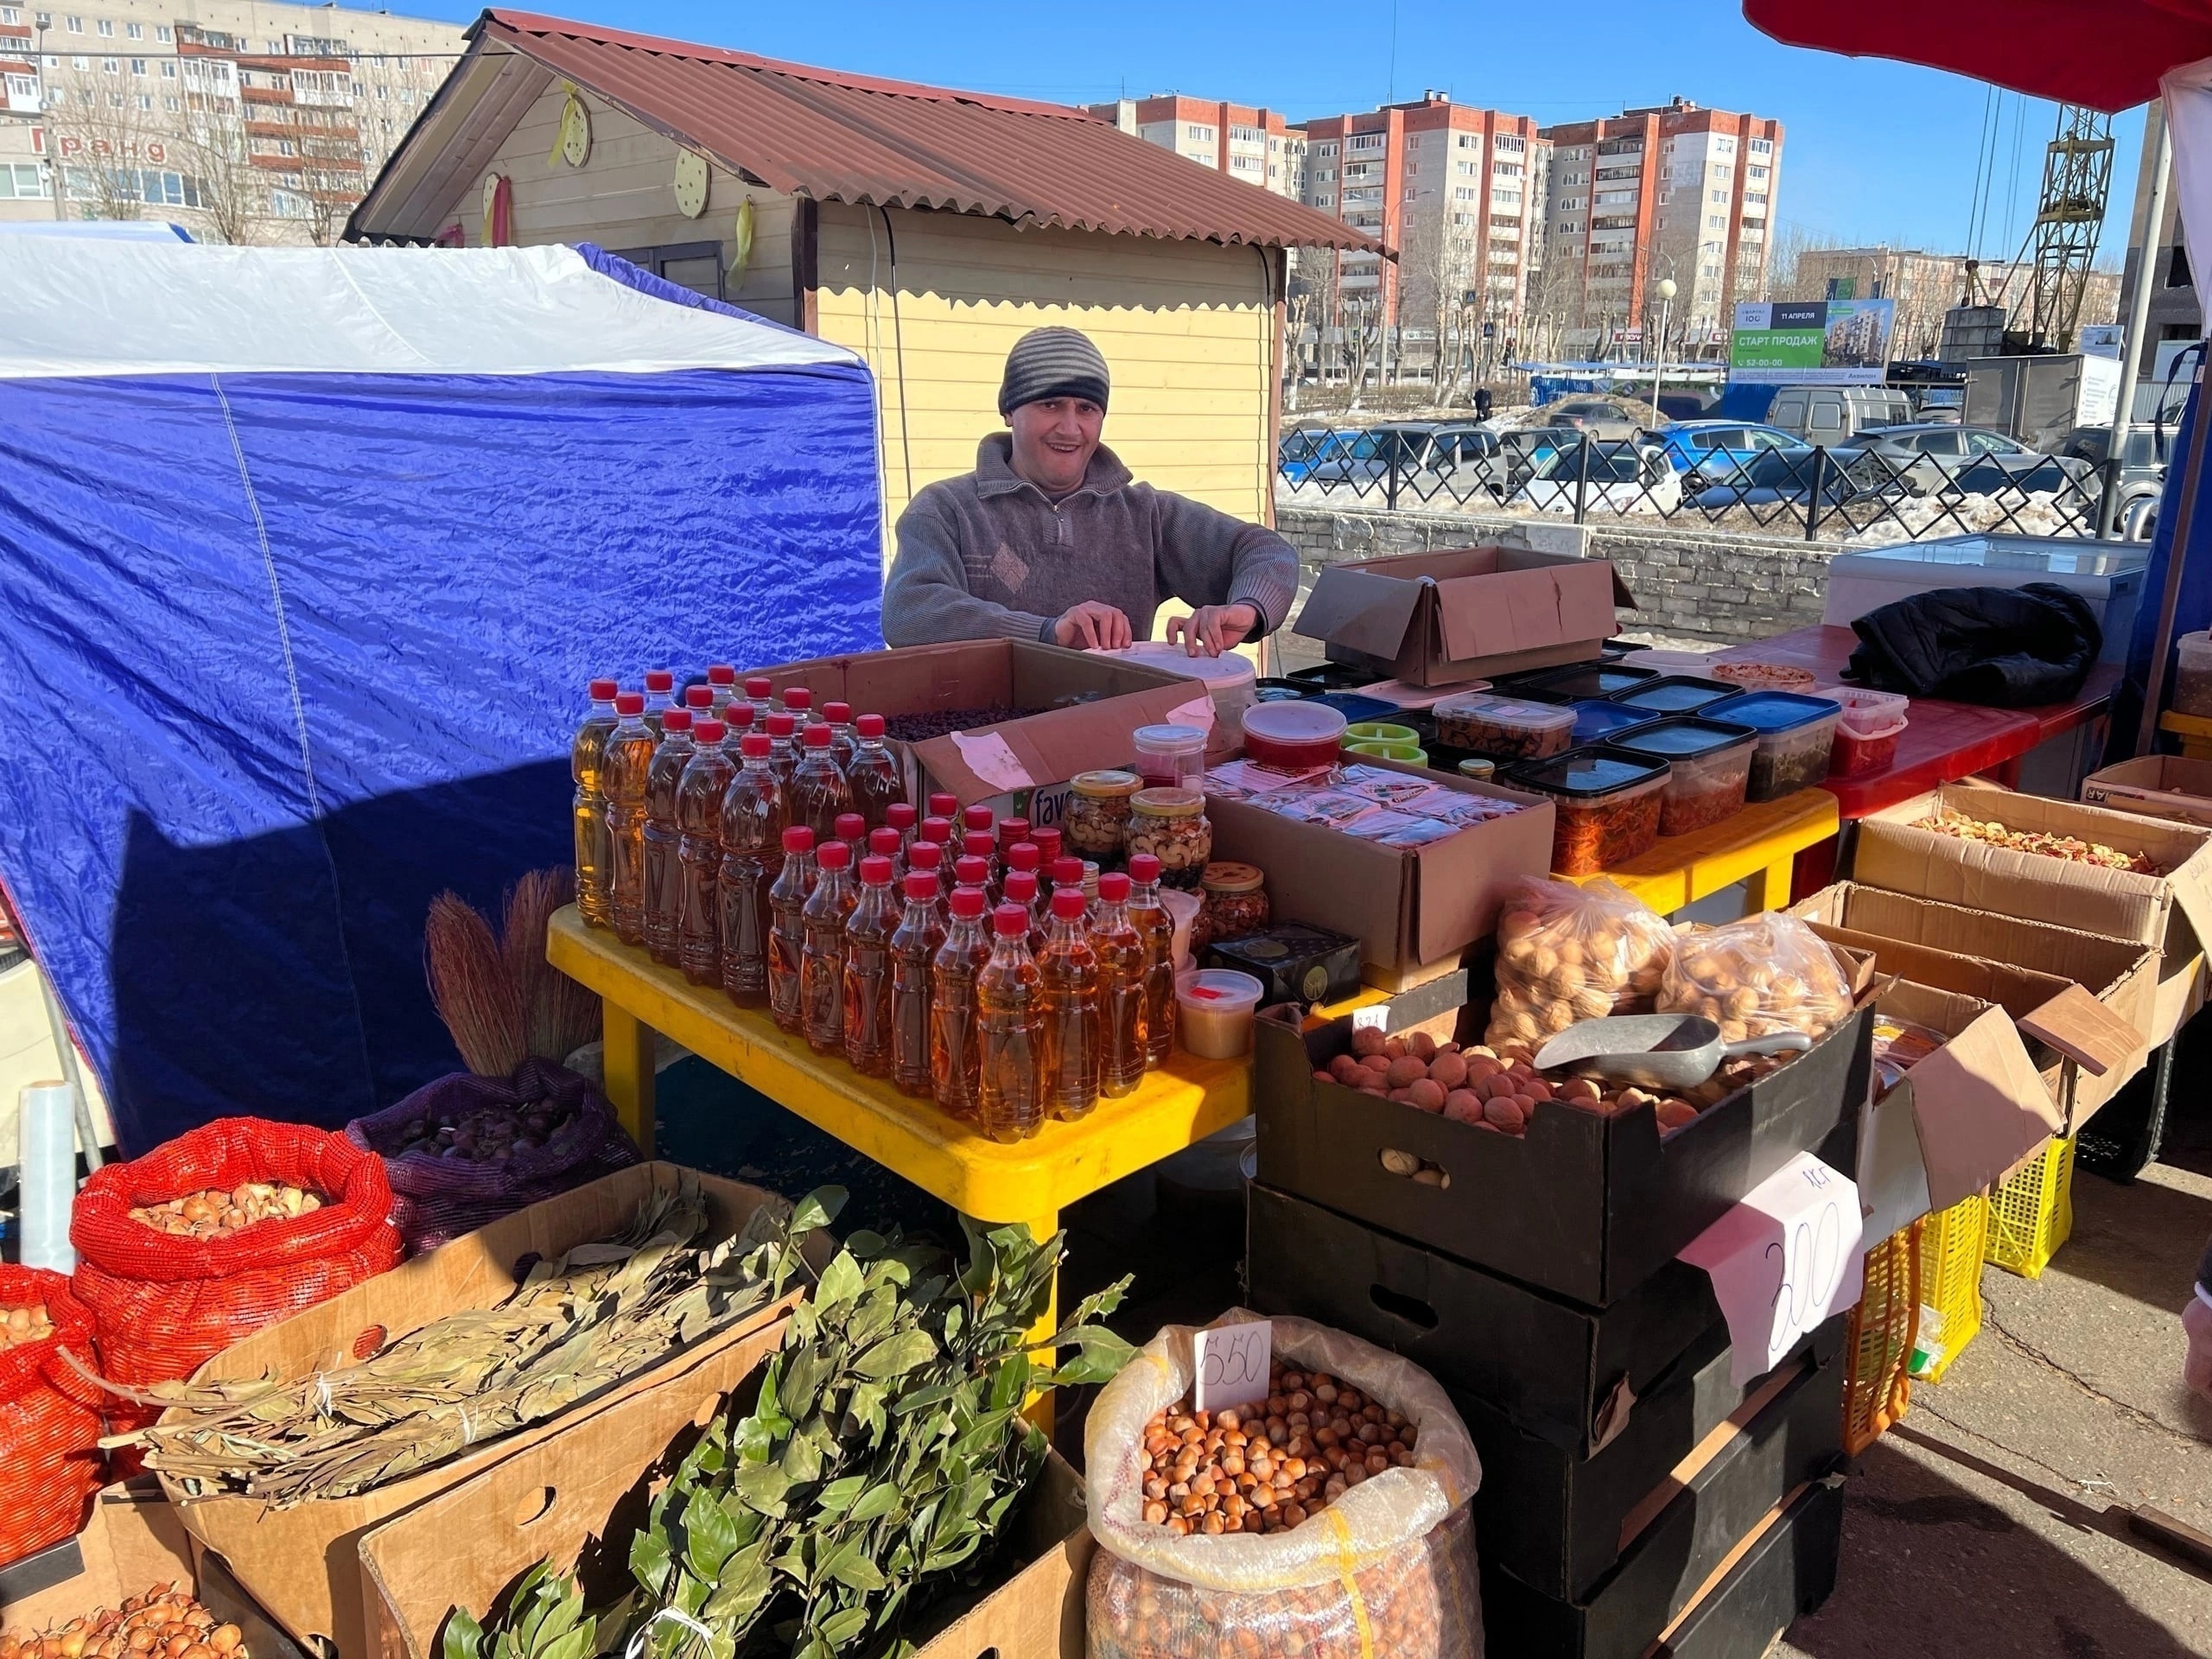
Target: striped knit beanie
1052 363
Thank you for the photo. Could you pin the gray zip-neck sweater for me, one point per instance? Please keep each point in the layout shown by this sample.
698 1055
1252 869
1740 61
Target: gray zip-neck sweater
989 556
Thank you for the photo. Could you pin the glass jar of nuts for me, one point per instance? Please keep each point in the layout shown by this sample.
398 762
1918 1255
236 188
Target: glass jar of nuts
1235 901
1172 825
1096 818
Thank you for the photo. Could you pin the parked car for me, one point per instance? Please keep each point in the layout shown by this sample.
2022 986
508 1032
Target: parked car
1832 415
1600 418
1357 459
1622 476
1712 452
1975 460
1303 447
1506 461
1776 478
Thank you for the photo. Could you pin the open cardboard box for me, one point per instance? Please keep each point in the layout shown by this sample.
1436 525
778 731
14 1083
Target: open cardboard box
1437 618
1018 765
1415 910
132 1541
302 1563
2155 786
2170 911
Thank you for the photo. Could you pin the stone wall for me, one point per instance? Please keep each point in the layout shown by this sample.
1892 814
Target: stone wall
1720 586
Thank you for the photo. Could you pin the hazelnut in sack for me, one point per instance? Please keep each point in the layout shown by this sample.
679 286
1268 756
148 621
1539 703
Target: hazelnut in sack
1329 1521
1568 953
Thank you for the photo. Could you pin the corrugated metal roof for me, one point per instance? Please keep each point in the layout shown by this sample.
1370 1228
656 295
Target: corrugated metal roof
839 138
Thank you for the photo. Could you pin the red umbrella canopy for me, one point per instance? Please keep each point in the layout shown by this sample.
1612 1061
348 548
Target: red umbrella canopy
2106 54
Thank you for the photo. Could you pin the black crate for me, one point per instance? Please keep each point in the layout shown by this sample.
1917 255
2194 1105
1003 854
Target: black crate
1555 1521
1788 1572
1588 1206
1666 1567
1551 1365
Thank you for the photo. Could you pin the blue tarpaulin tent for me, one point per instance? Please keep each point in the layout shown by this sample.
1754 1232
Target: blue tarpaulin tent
305 557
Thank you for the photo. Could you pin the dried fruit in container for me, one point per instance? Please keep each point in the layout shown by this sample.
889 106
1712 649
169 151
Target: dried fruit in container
1608 801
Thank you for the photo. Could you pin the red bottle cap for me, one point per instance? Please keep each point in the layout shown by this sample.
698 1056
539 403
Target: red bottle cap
799 839
698 697
977 843
921 885
1012 830
1113 888
708 731
603 690
941 806
971 873
869 725
875 872
798 697
1144 867
850 826
1067 873
1048 842
834 856
659 679
630 702
1068 905
885 841
756 746
1022 857
900 815
1010 921
781 725
1022 886
756 686
817 737
939 830
977 817
967 903
926 856
738 715
676 720
837 713
721 674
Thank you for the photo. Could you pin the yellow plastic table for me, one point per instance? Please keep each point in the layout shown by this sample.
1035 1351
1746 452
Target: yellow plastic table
2193 730
1757 847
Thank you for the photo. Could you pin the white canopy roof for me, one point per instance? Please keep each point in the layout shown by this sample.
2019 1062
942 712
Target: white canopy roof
82 307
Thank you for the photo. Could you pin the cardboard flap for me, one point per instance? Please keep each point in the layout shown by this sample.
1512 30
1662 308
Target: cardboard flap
1979 1103
1523 610
1361 610
1053 746
2083 1029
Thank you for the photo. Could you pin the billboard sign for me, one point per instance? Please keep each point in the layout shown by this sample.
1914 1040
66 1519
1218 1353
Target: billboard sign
1811 342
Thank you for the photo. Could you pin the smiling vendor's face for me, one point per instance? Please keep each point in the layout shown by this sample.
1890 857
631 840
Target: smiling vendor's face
1054 441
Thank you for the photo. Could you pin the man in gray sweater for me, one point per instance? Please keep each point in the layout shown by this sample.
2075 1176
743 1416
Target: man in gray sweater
1050 538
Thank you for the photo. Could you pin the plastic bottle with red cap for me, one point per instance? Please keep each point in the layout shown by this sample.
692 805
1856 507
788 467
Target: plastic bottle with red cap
721 689
660 697
1021 888
588 770
955 1052
783 758
819 793
978 819
901 815
972 872
884 842
629 767
699 699
979 843
664 875
822 949
1012 832
942 805
838 717
759 692
1047 840
794 886
699 794
1157 929
873 772
1022 856
868 970
1121 1051
914 947
1009 1010
1067 980
753 823
798 702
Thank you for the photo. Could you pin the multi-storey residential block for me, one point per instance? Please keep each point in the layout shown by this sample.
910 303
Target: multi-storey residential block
1256 145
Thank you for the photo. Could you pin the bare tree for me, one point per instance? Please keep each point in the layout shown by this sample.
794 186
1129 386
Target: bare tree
233 191
100 139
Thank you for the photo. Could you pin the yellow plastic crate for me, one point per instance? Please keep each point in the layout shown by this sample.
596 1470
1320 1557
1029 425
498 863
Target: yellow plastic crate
1882 1330
2032 1214
1951 1245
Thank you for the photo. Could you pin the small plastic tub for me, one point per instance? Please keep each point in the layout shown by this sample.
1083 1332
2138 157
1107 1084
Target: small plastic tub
1673 694
1712 767
1857 753
1796 735
1596 722
1479 770
1584 682
1506 727
1864 710
1171 757
1609 801
1412 753
1214 1008
1380 731
1292 736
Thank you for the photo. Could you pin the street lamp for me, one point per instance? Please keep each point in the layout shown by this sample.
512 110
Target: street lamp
1666 291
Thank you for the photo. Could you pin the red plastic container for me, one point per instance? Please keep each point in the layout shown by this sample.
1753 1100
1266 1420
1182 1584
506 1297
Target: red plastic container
1292 736
1856 754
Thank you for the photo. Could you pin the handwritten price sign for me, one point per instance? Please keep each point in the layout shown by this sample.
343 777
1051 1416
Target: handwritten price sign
1782 1262
1232 1362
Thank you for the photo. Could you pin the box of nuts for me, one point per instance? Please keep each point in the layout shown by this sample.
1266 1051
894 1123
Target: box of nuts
1585 1198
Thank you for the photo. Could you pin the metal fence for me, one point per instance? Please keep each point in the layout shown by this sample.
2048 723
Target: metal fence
1862 492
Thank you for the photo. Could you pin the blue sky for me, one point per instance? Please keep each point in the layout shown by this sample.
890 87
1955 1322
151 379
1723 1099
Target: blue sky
1876 151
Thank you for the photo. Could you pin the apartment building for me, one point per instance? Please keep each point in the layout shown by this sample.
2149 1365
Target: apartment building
1256 145
1459 191
241 121
1672 191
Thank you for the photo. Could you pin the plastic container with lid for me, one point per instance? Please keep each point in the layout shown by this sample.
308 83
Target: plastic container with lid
1235 901
1712 763
1170 757
1354 708
1673 694
1796 735
1332 677
1096 817
1596 722
1865 711
1489 724
1292 736
1580 681
1479 769
1609 802
1214 1009
1229 679
1172 825
2193 675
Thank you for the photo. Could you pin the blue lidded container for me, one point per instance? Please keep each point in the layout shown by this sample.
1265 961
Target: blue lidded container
1674 694
1796 735
1597 720
1356 709
1582 682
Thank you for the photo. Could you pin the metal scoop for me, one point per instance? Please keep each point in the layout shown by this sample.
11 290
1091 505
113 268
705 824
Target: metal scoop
1659 1050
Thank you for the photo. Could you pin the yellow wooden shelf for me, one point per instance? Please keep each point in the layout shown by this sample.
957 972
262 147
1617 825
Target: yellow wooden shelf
1757 846
2193 730
1030 1182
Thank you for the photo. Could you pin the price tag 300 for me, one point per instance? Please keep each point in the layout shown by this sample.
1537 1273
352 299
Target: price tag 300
1783 1261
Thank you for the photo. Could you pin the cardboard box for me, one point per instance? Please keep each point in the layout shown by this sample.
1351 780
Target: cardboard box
1471 612
1559 1523
2171 912
303 1564
2155 786
1415 910
1784 1569
1092 704
1687 1533
132 1541
1587 1205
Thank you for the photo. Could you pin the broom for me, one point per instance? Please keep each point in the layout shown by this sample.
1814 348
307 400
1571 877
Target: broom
474 987
559 1016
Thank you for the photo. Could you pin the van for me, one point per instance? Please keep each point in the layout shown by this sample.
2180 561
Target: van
1832 415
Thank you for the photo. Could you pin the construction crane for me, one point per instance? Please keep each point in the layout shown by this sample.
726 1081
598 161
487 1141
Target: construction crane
2076 183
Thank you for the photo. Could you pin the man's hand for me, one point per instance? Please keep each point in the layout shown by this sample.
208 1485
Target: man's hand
1212 629
1092 627
2196 1370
